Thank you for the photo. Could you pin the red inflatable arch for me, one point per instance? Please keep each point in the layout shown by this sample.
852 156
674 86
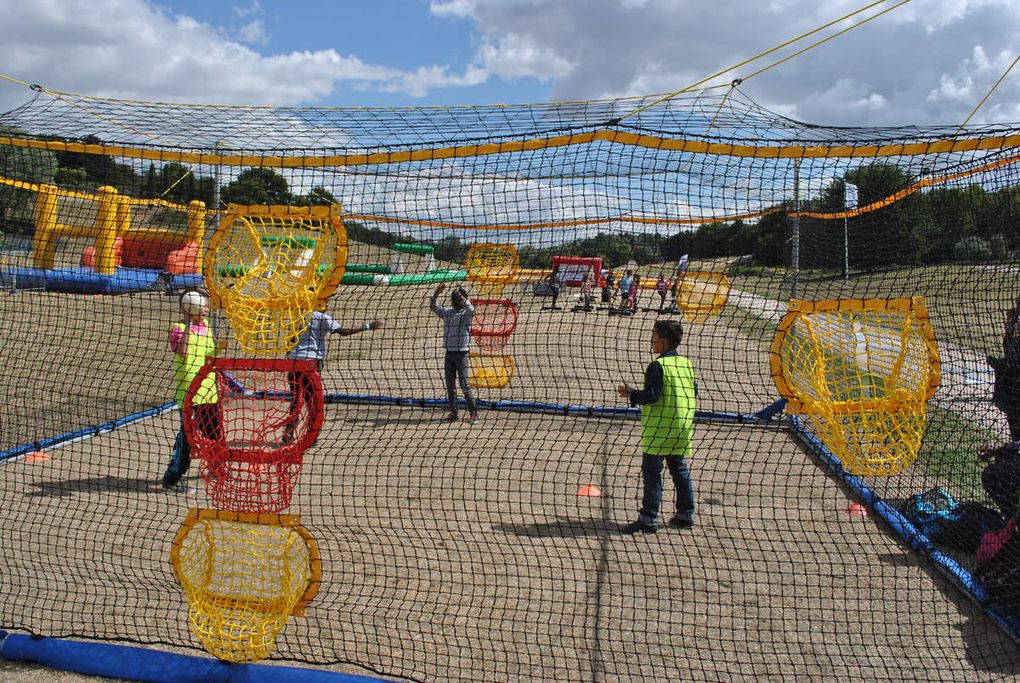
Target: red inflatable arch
573 268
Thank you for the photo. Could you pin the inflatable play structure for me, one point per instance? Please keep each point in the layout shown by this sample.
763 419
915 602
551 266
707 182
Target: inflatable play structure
121 258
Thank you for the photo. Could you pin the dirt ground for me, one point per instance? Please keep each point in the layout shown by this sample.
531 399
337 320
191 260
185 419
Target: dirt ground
456 552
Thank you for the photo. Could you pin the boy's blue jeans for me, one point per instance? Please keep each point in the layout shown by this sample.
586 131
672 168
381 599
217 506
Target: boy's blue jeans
651 475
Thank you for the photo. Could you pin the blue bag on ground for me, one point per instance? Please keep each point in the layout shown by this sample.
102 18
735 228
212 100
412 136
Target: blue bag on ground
959 526
930 511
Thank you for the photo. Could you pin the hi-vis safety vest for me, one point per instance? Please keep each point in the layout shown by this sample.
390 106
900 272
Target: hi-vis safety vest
200 347
667 424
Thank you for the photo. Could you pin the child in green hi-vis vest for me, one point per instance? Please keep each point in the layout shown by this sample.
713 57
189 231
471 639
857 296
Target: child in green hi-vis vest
667 421
192 343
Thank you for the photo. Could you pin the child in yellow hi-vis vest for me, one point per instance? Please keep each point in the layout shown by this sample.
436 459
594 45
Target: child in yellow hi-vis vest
667 422
192 343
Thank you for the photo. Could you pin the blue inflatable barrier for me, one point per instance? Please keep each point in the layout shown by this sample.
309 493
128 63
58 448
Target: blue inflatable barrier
85 280
154 666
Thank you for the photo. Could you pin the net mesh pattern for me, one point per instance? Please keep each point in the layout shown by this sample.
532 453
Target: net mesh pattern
269 272
253 440
492 549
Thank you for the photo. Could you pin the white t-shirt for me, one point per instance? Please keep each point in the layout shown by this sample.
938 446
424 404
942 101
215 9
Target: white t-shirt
311 344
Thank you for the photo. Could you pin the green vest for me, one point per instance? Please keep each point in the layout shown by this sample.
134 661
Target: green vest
666 425
200 347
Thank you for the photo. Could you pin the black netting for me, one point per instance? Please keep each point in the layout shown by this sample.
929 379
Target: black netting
491 549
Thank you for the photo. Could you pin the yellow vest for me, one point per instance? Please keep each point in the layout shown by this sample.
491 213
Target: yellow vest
200 348
667 424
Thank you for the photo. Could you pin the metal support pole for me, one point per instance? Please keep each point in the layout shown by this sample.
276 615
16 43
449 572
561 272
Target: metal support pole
795 239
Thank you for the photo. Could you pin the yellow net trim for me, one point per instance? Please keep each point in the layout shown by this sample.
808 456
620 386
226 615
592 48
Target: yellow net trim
994 142
244 575
861 371
269 267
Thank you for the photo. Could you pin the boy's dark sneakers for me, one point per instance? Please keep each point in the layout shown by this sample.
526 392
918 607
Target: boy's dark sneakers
639 526
450 417
680 523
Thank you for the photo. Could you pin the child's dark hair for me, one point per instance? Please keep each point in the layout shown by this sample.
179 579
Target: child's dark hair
670 330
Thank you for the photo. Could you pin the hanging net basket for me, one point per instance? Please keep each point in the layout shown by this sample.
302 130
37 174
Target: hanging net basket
244 576
491 267
861 371
702 295
253 438
492 324
490 372
268 267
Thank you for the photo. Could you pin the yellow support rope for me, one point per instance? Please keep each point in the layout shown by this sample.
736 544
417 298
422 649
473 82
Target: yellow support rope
759 56
985 98
175 183
825 40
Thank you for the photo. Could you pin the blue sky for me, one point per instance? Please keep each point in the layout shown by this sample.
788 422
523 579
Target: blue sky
927 62
400 34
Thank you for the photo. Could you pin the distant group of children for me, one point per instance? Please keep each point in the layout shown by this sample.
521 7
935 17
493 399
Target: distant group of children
629 286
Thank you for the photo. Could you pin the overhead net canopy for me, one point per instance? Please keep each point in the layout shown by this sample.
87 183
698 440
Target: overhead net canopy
457 551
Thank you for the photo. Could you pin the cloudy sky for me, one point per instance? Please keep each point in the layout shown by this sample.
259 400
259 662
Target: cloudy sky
927 62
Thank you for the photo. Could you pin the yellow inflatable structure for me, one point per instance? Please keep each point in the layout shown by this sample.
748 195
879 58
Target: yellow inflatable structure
861 371
700 295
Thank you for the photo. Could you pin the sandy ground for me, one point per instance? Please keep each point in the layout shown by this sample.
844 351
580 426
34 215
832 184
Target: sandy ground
464 553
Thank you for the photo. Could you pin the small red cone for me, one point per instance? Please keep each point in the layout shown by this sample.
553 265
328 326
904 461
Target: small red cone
37 456
856 510
590 491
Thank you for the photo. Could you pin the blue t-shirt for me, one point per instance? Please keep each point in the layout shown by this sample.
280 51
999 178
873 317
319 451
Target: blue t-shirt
311 344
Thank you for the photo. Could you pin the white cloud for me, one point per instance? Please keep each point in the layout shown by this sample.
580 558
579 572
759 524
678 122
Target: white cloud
253 32
605 48
967 84
514 56
453 8
135 50
927 62
244 11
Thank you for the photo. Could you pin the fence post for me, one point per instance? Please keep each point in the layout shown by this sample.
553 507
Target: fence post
106 230
44 244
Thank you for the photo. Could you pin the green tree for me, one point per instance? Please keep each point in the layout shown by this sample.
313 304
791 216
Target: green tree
881 237
173 178
257 186
72 178
150 187
675 246
320 196
772 239
100 168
